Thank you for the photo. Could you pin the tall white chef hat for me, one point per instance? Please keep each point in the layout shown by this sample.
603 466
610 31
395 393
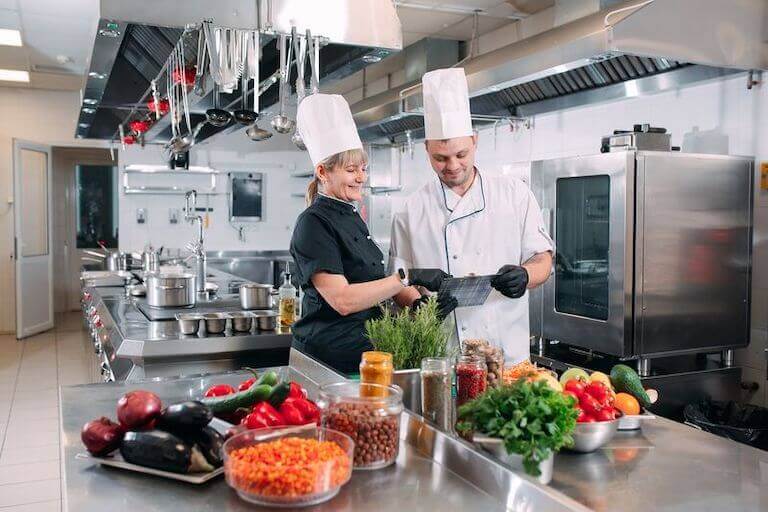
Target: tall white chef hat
446 104
326 126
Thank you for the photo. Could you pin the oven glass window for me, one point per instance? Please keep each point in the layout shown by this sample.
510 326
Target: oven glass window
582 236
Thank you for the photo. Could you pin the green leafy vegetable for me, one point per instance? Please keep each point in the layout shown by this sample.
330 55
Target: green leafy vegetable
409 335
531 418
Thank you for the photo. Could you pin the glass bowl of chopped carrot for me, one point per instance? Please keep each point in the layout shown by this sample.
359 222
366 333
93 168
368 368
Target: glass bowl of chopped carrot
288 467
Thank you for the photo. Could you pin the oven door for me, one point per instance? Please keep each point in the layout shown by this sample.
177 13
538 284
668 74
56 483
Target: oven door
587 301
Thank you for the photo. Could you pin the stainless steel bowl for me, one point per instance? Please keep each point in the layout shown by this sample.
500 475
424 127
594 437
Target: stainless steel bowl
215 323
495 446
188 323
241 322
588 437
266 321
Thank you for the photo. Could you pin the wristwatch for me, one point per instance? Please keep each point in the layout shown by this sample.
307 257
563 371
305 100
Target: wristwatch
403 278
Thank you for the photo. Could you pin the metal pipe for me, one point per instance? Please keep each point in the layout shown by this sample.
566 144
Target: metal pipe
644 367
727 357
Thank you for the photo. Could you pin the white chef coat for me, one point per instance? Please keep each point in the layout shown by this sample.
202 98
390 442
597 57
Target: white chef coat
496 222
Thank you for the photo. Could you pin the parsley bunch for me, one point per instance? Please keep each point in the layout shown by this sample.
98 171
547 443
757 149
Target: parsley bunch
531 418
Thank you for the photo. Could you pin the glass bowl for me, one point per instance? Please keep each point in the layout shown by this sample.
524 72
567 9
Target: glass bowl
370 415
265 467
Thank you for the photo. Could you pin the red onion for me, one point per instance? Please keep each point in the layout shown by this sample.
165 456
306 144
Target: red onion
138 409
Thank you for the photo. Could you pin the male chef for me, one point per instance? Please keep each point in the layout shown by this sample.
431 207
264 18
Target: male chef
468 222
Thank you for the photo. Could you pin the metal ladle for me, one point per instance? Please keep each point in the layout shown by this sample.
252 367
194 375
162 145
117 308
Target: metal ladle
216 116
253 132
300 49
282 123
245 116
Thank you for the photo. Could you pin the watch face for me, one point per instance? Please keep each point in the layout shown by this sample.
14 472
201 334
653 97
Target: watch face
401 273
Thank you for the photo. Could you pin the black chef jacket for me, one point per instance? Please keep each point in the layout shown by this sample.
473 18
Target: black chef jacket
331 237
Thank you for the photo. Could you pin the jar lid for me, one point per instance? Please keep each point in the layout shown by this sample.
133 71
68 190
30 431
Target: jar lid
377 357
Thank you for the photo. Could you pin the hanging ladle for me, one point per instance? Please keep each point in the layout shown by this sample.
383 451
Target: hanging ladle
282 123
253 132
300 48
216 116
245 115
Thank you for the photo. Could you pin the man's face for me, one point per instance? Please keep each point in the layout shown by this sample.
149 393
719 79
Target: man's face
453 159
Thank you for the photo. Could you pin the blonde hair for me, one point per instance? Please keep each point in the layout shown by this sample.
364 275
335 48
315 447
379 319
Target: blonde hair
356 156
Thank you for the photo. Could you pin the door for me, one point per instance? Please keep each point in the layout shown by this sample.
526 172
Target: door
587 302
32 243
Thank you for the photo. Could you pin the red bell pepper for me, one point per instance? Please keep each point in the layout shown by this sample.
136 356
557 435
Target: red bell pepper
270 414
297 391
291 413
255 420
246 384
219 390
307 408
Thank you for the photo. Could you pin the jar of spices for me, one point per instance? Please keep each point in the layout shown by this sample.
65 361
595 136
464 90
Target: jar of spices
373 422
436 400
494 358
375 368
471 378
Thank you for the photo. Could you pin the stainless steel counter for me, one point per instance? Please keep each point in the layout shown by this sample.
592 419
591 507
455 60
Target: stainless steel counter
433 472
666 466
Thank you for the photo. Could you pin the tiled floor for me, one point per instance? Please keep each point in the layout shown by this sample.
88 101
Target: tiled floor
31 371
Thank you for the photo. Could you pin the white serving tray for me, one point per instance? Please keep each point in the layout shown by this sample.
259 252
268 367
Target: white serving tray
116 461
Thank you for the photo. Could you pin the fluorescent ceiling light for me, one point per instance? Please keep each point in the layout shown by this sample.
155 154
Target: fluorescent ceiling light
13 75
10 37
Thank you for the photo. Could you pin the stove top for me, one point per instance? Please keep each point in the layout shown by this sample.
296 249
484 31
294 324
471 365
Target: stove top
219 304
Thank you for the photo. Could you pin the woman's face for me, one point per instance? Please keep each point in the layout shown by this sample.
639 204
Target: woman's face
343 182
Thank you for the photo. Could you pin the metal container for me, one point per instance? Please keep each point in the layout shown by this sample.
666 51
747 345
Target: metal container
255 296
189 323
170 290
215 323
634 421
116 261
410 382
266 320
241 322
150 261
495 446
588 437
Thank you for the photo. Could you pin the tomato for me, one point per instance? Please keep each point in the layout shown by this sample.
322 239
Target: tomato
246 384
599 391
589 403
575 397
575 386
588 419
582 415
605 414
219 390
296 391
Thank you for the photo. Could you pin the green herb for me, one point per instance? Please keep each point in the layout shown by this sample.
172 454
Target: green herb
533 419
409 335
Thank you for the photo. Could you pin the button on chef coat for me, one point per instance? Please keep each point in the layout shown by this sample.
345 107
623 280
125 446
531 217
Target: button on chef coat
331 237
496 222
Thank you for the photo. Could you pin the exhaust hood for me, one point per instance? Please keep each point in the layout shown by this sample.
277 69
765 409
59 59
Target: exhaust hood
629 49
134 39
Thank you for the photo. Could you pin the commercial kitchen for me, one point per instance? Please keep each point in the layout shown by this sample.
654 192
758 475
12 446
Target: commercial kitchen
399 255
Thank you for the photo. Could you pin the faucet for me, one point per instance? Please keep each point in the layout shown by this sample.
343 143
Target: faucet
197 246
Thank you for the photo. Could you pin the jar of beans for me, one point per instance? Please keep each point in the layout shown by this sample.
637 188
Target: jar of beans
373 422
471 378
494 358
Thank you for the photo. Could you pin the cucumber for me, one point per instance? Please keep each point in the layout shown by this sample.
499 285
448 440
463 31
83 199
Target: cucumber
626 380
259 392
269 378
279 394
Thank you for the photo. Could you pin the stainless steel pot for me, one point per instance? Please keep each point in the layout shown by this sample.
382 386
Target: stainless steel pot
117 260
170 290
255 296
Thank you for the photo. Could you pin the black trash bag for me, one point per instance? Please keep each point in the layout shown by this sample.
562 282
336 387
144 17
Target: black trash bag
744 423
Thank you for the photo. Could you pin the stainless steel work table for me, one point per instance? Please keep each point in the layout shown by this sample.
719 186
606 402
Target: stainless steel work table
666 466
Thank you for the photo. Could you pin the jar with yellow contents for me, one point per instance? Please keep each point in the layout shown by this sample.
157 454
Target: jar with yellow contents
375 368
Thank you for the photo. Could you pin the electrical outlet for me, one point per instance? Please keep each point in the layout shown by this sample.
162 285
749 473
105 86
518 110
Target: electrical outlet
141 215
173 215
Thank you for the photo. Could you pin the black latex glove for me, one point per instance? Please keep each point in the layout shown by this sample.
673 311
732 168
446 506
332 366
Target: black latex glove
429 278
445 304
511 281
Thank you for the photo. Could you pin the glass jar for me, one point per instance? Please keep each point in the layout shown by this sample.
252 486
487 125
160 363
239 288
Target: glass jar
471 378
375 368
436 399
494 358
373 423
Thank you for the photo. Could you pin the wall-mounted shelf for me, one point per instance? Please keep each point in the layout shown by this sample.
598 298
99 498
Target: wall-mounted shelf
298 194
302 174
384 190
145 170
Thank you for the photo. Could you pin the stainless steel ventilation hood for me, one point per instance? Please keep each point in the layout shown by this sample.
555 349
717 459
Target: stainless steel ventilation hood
135 38
632 48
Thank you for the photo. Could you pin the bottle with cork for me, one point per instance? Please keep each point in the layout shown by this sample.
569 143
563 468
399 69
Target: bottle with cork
287 299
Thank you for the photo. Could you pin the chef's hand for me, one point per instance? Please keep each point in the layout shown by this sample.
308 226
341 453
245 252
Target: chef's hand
429 278
511 281
445 304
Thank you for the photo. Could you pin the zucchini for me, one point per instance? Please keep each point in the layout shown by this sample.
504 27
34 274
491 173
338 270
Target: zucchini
160 450
279 394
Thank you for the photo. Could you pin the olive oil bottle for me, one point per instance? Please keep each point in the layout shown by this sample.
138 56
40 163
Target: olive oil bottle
287 296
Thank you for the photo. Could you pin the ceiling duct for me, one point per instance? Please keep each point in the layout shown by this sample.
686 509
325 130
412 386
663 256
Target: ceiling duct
134 39
627 49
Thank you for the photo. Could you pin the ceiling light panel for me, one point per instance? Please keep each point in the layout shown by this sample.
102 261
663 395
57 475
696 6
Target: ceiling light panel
13 75
9 37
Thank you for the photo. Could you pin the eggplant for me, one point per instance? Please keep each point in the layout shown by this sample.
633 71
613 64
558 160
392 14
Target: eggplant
184 417
164 451
210 443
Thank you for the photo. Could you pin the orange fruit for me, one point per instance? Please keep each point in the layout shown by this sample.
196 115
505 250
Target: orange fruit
627 404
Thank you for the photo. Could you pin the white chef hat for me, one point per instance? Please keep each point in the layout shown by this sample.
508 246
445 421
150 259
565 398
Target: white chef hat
446 104
326 126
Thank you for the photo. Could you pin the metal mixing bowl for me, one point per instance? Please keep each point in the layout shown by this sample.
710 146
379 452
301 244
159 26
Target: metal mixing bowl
588 437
